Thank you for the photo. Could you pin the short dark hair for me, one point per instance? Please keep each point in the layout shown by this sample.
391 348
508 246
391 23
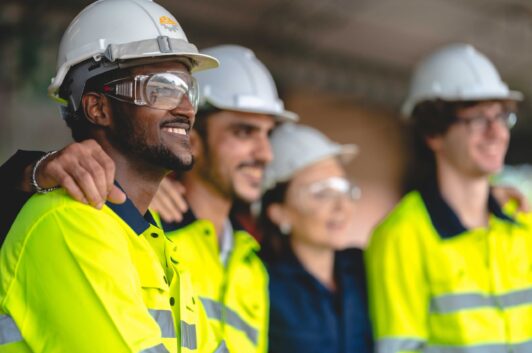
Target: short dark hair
203 114
274 243
76 119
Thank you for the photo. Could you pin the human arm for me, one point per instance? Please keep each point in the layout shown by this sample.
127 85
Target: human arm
83 169
11 174
398 294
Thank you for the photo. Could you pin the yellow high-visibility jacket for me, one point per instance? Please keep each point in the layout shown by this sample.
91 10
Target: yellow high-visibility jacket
437 287
235 296
74 279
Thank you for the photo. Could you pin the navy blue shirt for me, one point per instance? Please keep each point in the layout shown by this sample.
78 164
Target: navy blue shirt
307 317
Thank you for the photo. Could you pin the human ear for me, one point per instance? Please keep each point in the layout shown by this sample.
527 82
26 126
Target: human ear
277 214
97 108
434 142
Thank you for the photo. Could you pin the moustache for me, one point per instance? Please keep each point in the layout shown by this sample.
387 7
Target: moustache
178 121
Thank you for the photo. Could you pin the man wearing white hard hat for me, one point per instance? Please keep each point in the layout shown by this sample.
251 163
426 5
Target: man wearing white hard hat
449 268
79 279
318 301
239 108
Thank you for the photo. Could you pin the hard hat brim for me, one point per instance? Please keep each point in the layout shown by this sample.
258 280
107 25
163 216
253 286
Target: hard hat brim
409 105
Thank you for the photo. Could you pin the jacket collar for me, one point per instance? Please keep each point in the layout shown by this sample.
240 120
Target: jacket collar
443 217
131 215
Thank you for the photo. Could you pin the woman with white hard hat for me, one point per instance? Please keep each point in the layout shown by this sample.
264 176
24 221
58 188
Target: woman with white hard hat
317 286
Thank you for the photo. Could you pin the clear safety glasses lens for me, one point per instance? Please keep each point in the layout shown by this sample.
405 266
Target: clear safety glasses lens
164 90
334 188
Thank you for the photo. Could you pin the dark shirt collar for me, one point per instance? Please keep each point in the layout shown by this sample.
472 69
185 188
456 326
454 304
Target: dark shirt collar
288 262
444 219
131 215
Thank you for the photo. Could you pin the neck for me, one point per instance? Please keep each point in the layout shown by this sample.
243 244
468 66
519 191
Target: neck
319 262
467 196
206 202
139 179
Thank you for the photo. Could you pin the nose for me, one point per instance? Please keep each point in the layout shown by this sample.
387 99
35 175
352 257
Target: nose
343 203
185 108
263 149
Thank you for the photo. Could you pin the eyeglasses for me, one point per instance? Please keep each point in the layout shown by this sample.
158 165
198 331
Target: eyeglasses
163 90
331 190
481 123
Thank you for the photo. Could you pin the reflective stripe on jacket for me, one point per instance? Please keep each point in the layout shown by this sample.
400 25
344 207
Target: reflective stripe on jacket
235 296
435 286
77 279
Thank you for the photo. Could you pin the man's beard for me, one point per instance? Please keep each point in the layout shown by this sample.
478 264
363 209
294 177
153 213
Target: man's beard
133 142
208 169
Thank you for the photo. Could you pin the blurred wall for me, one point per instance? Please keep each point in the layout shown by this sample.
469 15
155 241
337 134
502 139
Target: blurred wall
343 65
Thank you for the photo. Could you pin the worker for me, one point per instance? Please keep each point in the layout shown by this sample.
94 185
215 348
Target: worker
318 299
449 267
79 279
239 107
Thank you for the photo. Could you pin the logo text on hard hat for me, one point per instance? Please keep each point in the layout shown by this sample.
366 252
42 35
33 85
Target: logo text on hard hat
169 23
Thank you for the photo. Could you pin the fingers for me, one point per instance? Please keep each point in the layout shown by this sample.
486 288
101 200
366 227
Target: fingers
116 195
169 201
179 198
504 194
84 170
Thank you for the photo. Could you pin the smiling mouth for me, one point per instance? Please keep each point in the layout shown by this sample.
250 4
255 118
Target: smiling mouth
176 130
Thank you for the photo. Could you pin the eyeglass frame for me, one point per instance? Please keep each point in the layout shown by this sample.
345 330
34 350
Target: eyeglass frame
481 122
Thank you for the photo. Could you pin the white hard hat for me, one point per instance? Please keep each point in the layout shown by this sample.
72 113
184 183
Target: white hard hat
297 146
241 83
456 72
119 30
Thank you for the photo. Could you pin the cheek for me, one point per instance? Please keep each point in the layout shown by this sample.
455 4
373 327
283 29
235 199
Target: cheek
144 125
311 222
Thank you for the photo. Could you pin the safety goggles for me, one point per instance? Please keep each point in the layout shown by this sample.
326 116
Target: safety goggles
162 90
330 190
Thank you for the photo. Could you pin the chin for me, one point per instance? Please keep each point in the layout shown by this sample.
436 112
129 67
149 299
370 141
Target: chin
248 195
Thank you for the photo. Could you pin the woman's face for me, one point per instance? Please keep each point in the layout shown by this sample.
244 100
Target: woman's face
319 205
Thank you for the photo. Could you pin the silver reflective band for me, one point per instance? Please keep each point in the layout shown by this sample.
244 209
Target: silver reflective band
165 320
148 48
455 302
216 310
394 345
9 331
400 345
157 349
222 348
524 347
212 308
188 336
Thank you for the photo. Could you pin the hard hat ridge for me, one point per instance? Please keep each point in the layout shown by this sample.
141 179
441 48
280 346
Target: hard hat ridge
456 72
242 83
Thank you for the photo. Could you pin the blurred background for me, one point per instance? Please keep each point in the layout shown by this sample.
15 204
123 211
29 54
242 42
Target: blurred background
343 65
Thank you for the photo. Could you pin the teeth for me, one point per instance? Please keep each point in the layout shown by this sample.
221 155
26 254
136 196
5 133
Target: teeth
254 172
175 130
